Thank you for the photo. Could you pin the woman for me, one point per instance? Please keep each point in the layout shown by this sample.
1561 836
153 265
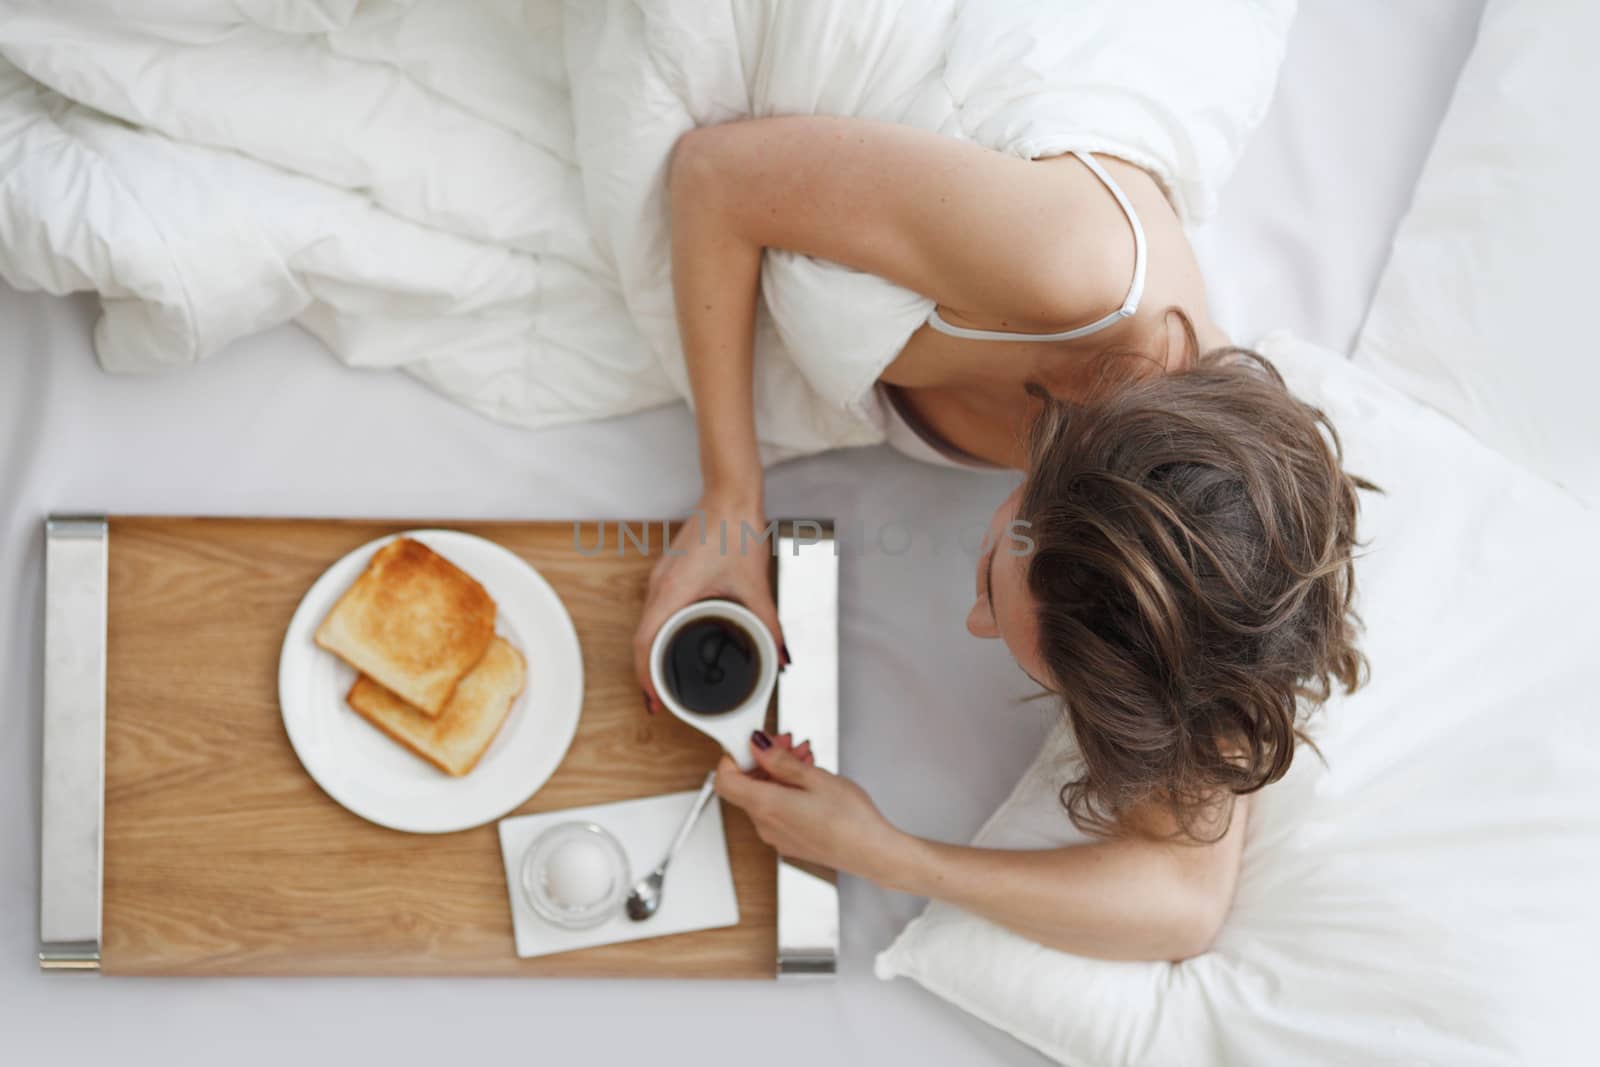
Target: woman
1191 528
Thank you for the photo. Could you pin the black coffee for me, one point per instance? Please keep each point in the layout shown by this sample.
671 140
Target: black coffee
711 666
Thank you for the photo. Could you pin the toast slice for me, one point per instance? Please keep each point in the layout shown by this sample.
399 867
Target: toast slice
414 621
457 739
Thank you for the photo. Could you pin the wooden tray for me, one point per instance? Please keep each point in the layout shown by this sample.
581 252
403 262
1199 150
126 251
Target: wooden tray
222 856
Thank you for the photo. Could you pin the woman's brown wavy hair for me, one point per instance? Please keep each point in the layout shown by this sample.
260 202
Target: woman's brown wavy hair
1192 570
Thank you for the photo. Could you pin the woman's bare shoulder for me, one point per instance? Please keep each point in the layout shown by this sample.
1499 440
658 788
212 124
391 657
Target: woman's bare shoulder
1173 279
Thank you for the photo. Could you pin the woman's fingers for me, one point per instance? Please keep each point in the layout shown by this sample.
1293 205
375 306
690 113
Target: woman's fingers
780 763
801 751
643 637
734 785
658 607
766 609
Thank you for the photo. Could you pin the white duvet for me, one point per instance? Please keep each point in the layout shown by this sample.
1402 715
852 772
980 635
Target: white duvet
474 191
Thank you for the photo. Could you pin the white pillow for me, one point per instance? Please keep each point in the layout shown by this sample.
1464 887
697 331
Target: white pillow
1487 309
1431 894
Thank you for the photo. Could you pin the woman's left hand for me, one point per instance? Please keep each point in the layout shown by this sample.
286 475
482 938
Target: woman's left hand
811 815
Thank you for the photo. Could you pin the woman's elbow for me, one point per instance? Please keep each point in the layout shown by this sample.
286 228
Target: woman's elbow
695 165
1194 927
1204 880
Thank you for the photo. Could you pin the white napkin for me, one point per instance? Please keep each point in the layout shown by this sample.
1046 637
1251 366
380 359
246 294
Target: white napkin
698 894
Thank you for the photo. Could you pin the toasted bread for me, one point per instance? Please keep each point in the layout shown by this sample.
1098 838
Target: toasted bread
414 621
457 739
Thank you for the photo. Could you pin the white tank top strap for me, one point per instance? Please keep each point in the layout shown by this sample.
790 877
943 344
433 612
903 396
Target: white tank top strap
1130 303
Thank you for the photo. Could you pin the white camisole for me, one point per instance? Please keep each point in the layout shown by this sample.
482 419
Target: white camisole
905 436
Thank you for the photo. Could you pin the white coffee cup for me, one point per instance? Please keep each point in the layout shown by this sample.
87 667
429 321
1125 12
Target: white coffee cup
731 729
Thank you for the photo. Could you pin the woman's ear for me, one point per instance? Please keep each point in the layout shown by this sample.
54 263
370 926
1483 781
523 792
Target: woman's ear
980 620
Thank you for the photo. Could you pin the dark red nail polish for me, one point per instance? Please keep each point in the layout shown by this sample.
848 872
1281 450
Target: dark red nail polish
760 740
783 651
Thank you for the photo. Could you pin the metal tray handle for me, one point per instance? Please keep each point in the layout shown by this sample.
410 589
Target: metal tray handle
808 707
73 779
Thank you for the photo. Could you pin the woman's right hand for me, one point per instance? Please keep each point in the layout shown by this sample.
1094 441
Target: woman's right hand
701 564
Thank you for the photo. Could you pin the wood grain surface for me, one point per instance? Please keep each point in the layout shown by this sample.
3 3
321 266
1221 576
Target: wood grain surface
222 856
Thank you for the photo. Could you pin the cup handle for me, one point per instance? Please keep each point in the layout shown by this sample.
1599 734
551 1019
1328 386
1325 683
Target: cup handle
741 754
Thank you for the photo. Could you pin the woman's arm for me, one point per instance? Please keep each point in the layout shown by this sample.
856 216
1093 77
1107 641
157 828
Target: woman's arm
716 267
1122 898
985 234
978 231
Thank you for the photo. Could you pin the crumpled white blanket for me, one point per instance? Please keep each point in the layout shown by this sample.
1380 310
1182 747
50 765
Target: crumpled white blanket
475 192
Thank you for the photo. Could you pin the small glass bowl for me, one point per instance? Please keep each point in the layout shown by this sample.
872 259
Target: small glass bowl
535 881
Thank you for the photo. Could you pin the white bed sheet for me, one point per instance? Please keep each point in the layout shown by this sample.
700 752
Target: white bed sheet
277 427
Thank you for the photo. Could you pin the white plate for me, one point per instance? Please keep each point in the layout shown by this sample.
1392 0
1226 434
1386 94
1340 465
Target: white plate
377 779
